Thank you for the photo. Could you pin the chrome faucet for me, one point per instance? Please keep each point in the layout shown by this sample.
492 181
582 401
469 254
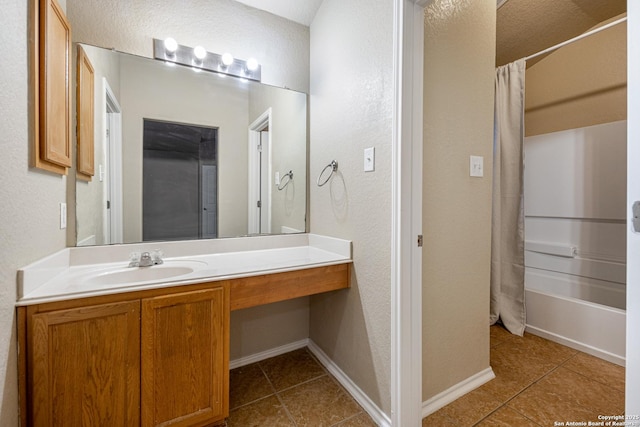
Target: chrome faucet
146 259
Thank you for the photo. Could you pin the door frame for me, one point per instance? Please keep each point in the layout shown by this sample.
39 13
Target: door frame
112 120
264 121
406 254
632 388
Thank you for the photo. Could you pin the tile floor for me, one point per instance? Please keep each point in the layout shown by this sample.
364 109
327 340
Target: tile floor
537 384
291 390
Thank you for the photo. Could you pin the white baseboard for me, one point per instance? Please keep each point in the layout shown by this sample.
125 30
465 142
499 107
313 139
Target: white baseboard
442 399
576 345
378 416
263 355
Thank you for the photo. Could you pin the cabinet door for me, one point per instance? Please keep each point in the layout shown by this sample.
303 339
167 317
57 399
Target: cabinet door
85 366
185 362
85 107
55 87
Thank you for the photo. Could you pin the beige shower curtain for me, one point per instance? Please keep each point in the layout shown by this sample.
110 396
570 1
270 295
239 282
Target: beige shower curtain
507 238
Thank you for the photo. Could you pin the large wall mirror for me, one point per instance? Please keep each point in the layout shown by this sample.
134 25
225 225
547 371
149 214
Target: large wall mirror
182 154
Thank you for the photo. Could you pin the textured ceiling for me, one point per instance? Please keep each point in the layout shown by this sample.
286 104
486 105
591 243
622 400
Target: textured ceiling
300 11
525 27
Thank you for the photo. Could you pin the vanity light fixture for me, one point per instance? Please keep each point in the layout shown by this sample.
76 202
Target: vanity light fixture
170 46
227 59
171 52
200 53
252 64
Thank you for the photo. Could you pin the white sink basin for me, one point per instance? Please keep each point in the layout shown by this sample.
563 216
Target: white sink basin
132 275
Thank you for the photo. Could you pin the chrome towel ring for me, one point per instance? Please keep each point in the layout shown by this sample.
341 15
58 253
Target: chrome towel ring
289 176
334 167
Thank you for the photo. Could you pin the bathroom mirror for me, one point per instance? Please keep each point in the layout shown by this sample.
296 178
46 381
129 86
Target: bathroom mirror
181 155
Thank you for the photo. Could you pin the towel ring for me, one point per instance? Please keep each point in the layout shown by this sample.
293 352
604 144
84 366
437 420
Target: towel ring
289 176
334 167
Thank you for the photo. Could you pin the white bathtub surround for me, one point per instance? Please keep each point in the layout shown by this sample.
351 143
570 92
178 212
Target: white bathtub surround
592 328
78 272
575 258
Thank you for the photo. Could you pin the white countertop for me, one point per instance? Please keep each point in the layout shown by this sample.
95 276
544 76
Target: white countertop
92 271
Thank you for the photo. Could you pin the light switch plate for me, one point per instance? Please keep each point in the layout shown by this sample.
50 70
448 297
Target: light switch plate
369 159
63 216
277 178
476 166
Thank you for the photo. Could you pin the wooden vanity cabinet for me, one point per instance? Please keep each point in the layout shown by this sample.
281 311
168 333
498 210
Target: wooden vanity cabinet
85 366
185 375
149 358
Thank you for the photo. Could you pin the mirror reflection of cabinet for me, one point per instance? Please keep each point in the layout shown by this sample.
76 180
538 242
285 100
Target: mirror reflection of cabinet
84 106
51 38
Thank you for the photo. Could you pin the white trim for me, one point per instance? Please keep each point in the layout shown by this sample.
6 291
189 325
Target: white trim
263 355
406 257
576 345
632 388
378 416
442 399
113 114
262 122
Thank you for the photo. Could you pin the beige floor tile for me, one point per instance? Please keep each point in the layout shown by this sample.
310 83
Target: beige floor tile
291 369
498 335
318 403
438 419
507 417
567 396
362 420
247 384
598 370
266 412
470 408
515 369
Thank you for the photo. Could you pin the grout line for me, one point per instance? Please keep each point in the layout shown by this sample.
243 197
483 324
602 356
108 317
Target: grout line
347 419
286 410
303 382
561 364
277 394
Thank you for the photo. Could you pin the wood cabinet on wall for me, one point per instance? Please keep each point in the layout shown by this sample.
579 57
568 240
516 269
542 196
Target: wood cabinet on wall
151 358
50 76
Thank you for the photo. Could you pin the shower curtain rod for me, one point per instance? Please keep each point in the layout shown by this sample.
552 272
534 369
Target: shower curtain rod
575 39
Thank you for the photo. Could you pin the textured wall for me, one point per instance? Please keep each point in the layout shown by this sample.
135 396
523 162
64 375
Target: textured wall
458 121
351 109
582 84
280 45
29 226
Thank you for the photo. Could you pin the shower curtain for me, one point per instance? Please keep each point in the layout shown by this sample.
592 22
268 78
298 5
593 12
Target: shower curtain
507 235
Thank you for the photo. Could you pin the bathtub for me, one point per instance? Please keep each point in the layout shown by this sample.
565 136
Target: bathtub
584 313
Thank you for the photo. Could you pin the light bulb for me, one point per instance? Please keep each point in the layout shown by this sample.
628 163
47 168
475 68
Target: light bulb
199 52
227 59
170 45
252 64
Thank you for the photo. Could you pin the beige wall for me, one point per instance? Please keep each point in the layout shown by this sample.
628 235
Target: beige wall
280 45
458 122
582 84
351 102
29 212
